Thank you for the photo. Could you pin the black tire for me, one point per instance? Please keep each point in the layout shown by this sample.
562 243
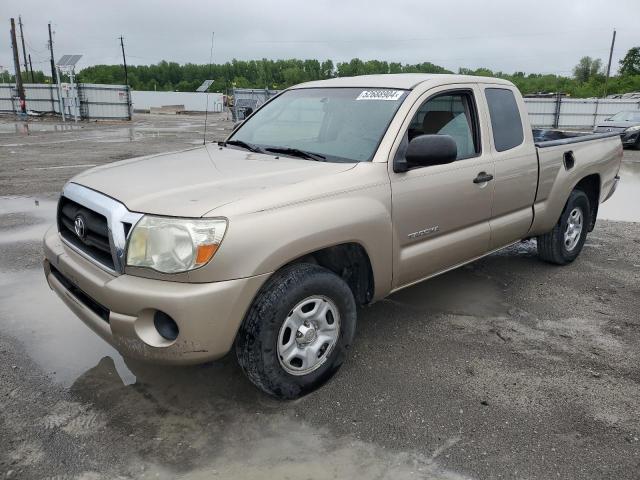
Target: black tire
256 342
551 246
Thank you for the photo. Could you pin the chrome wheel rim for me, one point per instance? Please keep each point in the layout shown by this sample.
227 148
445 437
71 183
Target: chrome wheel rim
573 230
308 335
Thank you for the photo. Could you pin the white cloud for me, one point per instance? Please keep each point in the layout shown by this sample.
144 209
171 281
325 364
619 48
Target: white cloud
507 35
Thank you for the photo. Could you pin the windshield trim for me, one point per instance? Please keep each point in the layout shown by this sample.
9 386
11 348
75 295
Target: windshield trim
329 157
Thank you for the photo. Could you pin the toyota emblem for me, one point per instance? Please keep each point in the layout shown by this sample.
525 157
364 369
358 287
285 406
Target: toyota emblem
79 226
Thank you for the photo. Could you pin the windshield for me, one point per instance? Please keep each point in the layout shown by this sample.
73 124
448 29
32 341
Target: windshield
626 117
335 124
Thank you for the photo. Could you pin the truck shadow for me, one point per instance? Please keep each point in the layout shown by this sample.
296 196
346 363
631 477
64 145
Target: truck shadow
179 415
467 291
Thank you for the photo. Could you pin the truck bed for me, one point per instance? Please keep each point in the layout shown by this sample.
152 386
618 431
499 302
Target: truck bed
565 158
549 137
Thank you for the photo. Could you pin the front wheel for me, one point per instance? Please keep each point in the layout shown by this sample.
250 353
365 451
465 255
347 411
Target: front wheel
297 331
563 244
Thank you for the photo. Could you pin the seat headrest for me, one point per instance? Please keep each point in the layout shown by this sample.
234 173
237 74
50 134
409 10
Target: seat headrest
435 120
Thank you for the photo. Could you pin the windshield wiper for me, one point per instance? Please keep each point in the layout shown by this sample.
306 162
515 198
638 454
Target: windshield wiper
296 152
242 144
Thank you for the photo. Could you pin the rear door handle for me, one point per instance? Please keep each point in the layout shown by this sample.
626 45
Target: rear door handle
483 177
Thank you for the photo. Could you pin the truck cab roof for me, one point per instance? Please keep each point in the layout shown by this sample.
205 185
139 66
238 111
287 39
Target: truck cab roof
404 81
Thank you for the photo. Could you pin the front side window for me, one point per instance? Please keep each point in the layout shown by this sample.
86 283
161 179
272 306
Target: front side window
451 114
505 118
341 124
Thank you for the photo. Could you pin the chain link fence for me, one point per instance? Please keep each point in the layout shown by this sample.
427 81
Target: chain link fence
247 100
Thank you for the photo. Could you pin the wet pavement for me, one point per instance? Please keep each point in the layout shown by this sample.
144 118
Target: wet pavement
624 205
506 368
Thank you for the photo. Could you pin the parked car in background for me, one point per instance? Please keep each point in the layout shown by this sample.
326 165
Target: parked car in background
627 124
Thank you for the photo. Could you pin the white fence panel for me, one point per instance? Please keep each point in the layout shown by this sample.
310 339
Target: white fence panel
541 111
192 101
41 97
104 101
96 101
114 102
6 101
574 113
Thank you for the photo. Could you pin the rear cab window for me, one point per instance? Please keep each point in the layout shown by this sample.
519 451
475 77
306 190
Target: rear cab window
506 123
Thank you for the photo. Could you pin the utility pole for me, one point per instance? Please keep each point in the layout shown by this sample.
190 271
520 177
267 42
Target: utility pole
124 60
33 80
606 80
53 63
16 63
24 50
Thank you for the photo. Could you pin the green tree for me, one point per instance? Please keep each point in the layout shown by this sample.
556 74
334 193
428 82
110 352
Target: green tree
630 64
587 68
587 82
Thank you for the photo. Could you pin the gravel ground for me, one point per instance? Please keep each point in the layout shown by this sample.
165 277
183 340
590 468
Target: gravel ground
506 368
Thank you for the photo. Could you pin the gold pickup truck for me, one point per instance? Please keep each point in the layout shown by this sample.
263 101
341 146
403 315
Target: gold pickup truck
333 194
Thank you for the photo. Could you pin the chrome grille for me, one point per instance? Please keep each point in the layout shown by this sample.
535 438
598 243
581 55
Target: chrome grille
95 226
92 238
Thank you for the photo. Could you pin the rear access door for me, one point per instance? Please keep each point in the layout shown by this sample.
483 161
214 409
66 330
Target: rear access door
516 165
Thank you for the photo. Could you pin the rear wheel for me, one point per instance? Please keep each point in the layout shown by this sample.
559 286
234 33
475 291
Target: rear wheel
297 331
563 244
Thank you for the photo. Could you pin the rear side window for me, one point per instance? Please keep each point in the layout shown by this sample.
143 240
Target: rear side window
505 118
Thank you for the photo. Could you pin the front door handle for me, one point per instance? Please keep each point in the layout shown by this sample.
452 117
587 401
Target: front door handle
483 177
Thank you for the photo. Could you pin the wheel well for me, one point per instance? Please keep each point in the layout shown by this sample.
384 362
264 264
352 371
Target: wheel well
590 185
351 262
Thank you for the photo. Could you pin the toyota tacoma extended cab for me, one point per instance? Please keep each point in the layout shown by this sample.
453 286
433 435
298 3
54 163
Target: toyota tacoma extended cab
334 194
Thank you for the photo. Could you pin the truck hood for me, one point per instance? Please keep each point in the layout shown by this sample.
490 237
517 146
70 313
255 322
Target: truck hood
193 182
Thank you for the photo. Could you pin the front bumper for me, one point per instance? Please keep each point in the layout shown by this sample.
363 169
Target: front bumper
120 308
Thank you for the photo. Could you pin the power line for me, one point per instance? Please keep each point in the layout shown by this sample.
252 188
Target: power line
426 39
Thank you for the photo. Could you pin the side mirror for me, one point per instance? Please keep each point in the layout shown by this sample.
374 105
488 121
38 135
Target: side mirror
426 150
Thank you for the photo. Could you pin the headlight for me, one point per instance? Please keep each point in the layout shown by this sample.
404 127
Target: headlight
635 128
172 245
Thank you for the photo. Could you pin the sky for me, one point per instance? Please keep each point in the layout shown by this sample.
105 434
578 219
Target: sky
540 36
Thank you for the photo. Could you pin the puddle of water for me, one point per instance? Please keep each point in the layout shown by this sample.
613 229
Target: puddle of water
196 423
459 292
131 132
31 312
52 335
59 167
38 206
624 205
26 128
25 218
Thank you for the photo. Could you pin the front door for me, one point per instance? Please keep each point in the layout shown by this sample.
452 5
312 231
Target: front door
441 213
